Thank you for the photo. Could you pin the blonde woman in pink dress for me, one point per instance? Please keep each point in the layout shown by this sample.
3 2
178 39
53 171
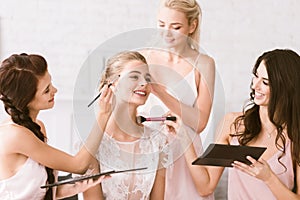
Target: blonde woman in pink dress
271 120
185 80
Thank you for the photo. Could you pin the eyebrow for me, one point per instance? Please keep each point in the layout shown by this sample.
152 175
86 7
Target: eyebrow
266 79
256 74
138 72
175 23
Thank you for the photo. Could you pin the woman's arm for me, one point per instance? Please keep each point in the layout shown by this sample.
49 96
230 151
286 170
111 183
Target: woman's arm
205 178
90 188
205 79
94 193
24 142
280 190
68 190
158 189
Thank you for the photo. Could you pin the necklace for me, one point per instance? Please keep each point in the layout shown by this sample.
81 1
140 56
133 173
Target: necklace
269 134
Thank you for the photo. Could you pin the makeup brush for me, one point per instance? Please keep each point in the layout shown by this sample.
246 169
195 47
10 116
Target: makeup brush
110 84
141 119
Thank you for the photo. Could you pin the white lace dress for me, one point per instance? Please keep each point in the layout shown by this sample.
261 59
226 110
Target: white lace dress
149 151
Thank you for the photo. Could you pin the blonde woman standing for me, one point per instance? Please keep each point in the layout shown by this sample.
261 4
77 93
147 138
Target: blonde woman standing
185 80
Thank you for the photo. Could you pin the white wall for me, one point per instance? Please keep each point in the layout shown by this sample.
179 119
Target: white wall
234 32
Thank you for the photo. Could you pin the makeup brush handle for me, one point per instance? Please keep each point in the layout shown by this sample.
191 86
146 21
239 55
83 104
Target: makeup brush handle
94 99
110 84
97 96
171 118
153 119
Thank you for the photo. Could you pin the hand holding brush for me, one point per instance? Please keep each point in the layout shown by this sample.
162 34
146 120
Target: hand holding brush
110 84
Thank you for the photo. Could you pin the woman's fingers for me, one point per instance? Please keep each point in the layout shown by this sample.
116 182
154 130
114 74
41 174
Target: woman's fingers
105 100
258 168
244 167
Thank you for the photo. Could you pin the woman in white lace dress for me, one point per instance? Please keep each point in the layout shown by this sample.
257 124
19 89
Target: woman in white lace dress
127 144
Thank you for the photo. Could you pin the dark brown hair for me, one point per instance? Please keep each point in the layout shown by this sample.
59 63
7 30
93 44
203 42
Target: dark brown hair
283 68
18 84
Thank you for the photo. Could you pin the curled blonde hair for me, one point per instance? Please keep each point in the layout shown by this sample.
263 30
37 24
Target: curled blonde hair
192 11
115 65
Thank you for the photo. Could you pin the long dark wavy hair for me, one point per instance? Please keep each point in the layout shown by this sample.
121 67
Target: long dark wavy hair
18 84
283 68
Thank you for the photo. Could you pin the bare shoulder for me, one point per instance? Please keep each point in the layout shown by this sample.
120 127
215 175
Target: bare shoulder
205 65
13 135
206 61
225 128
13 129
232 116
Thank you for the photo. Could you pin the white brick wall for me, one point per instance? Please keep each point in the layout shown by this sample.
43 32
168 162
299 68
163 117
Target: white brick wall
234 32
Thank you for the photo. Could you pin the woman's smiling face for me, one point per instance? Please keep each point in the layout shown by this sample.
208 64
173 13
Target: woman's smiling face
175 27
132 86
260 85
44 97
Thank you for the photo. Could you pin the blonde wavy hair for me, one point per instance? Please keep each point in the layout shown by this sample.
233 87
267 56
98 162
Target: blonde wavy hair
115 65
192 11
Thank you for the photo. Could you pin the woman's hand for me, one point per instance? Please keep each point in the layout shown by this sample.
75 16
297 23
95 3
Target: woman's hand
172 127
259 168
82 186
68 190
177 129
105 100
157 88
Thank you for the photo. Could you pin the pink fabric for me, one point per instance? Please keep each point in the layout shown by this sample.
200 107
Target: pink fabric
25 184
244 186
179 183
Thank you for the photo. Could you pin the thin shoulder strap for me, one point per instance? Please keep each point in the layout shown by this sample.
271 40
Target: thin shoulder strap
295 177
197 60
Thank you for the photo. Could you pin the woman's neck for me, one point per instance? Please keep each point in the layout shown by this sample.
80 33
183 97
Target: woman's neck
122 124
33 115
177 53
266 124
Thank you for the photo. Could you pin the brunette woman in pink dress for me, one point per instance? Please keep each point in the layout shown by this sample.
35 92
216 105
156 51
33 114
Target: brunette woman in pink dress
271 120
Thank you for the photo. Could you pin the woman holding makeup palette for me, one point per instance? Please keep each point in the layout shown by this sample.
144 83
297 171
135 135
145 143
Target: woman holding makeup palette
271 119
26 161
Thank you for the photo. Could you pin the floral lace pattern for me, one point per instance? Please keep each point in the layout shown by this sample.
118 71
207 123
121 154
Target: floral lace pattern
148 151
